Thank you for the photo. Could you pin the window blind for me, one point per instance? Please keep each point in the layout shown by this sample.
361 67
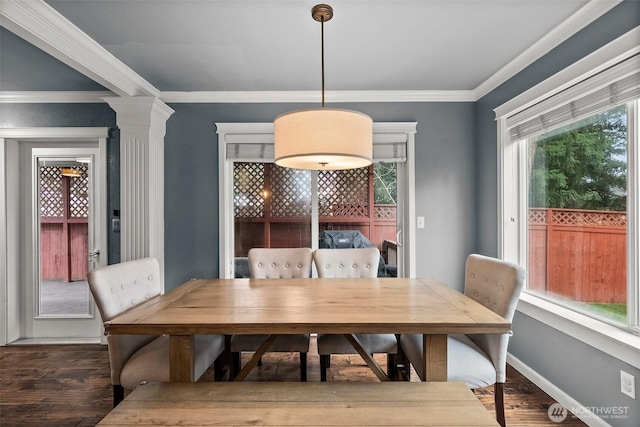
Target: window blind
252 148
614 86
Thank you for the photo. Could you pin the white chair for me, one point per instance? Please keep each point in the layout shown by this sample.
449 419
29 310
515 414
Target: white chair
479 360
138 358
265 263
351 263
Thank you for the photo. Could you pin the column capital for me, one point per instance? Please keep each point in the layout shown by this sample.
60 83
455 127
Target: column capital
139 111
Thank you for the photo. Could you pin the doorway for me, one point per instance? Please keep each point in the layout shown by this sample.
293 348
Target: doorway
252 143
56 231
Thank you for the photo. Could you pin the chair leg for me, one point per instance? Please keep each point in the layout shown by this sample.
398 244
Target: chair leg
499 400
118 394
328 360
303 367
236 364
218 369
403 365
260 362
324 361
392 366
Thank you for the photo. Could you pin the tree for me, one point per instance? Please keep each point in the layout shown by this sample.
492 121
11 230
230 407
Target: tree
385 183
582 166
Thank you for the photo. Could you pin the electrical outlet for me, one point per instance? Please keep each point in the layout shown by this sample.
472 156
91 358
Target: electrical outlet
628 384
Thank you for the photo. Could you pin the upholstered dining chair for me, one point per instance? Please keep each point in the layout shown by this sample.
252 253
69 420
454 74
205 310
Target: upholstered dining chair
276 263
351 263
138 358
479 360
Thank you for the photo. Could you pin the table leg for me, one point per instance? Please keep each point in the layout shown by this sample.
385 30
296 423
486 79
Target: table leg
181 358
357 345
434 348
256 356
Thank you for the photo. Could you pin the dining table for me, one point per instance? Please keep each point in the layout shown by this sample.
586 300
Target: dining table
347 306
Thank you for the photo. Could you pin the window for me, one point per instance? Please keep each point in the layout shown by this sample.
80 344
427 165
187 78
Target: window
569 194
577 214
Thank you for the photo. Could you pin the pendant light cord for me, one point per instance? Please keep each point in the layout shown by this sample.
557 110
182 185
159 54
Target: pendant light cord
322 55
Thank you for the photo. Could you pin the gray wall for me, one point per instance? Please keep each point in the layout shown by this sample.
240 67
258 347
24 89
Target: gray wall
445 170
585 373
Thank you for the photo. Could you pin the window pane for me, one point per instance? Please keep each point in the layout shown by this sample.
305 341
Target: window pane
64 230
577 214
272 209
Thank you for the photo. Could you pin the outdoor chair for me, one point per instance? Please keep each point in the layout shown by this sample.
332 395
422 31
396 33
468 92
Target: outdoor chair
269 263
139 358
479 360
351 263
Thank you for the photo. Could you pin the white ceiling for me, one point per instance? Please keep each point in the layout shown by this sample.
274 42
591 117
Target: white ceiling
243 45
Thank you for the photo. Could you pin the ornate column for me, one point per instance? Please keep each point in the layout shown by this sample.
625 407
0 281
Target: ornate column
142 123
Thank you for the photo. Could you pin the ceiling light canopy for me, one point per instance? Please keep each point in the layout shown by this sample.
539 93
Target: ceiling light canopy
70 172
323 138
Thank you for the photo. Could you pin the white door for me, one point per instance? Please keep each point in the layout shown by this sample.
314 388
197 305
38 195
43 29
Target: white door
61 239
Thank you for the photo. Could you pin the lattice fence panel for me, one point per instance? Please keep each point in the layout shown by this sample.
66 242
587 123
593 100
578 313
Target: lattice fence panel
344 194
248 187
537 216
79 194
597 218
51 200
384 212
290 193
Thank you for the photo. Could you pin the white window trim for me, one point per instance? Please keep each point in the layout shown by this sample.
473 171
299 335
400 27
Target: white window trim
263 133
622 344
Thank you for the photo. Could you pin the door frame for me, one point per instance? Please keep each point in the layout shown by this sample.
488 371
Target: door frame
262 134
11 296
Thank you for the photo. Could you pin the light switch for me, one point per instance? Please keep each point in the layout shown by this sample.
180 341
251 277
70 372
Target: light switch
420 222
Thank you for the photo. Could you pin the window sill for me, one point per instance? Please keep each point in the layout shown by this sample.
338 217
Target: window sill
616 342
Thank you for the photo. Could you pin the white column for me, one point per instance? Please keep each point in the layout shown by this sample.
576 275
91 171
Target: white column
142 123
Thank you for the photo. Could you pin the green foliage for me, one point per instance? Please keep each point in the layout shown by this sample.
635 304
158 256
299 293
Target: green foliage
582 166
385 183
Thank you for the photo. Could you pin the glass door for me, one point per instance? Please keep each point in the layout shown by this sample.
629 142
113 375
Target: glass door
277 207
66 241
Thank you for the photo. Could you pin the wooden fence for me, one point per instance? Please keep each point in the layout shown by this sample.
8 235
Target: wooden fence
578 254
293 232
64 224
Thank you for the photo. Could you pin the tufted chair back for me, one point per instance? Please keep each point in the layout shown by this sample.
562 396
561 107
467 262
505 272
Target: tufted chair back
280 263
347 263
116 288
496 284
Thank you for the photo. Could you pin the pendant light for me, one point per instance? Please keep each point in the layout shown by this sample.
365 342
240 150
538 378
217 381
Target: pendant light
323 138
70 172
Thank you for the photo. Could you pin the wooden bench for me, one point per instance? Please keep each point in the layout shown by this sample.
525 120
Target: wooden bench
299 404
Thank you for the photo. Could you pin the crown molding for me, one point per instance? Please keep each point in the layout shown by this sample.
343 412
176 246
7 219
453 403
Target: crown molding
53 97
314 96
608 55
82 133
80 97
583 17
41 25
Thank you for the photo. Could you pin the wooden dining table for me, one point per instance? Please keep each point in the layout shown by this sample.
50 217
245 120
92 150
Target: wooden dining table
304 306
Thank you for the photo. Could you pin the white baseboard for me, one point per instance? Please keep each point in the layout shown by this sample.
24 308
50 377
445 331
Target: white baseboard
585 415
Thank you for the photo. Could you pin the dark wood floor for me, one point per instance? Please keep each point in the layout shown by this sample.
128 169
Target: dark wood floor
69 385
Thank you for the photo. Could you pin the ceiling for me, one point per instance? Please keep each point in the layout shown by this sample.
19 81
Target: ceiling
242 45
